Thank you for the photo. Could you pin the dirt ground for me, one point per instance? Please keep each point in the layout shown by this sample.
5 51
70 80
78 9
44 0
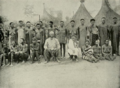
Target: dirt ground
67 74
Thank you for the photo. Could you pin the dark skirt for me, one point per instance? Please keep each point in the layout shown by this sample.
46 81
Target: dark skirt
94 38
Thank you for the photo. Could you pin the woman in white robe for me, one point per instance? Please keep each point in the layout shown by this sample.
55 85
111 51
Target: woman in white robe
73 48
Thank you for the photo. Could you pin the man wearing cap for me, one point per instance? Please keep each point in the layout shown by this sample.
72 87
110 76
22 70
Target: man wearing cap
73 48
34 50
52 48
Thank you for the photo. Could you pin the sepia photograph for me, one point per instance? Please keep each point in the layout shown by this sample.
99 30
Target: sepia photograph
59 43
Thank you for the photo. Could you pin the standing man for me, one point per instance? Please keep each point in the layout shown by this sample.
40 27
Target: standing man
6 50
40 35
49 29
103 31
107 51
51 47
1 40
1 36
28 30
21 32
72 30
93 32
82 33
12 34
115 35
61 35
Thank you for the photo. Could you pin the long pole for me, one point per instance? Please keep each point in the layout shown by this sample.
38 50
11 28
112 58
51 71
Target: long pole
39 17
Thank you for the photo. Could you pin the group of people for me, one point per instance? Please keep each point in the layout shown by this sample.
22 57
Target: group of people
24 41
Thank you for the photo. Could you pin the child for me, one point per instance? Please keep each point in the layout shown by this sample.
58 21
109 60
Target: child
34 48
97 51
23 51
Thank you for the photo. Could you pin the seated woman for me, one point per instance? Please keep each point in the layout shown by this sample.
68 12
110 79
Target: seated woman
97 51
73 48
107 51
87 52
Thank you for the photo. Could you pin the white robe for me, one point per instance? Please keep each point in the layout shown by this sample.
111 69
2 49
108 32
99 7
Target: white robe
73 49
21 34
